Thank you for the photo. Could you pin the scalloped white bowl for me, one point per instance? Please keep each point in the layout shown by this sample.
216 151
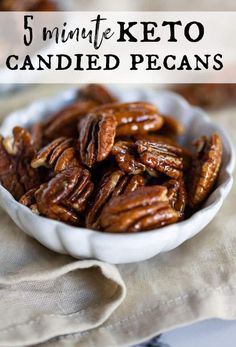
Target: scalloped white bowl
122 248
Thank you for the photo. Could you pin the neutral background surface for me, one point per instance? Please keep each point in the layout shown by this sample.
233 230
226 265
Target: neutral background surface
152 5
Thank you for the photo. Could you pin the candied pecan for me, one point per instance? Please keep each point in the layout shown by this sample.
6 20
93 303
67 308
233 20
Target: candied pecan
7 162
205 168
133 117
165 158
64 122
156 137
65 195
125 153
16 153
37 135
28 198
66 160
144 209
127 158
8 172
208 95
61 213
171 127
10 181
78 198
177 194
96 137
97 93
132 183
20 143
59 154
28 176
112 184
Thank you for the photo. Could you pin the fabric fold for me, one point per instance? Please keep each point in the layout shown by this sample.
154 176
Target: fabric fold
44 294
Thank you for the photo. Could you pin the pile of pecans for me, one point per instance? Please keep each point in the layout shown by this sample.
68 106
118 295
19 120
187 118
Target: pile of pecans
210 96
109 166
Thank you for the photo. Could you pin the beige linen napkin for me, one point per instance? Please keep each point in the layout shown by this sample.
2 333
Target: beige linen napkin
193 282
43 294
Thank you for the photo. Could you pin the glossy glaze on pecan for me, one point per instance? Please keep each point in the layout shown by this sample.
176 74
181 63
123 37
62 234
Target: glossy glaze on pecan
96 137
97 93
156 137
171 127
37 135
126 156
58 154
65 196
28 199
20 143
8 173
16 153
177 194
205 168
146 208
165 158
133 117
64 122
112 184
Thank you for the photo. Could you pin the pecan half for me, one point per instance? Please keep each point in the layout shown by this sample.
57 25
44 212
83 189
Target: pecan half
20 143
177 194
28 198
7 162
97 93
65 195
133 118
156 137
64 123
165 158
126 156
96 137
8 173
66 160
171 127
37 135
16 153
112 184
146 208
205 168
27 176
59 154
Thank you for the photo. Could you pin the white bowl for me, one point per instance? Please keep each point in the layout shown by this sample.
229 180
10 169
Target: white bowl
122 248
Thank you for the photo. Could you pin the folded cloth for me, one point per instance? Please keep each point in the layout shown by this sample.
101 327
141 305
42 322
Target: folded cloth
44 294
56 301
